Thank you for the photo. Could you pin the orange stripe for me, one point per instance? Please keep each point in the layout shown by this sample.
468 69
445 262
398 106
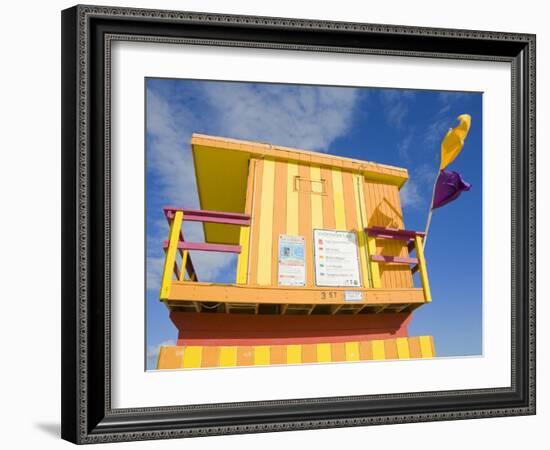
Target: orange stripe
245 356
414 347
384 246
278 354
349 201
210 356
328 200
304 225
338 351
406 275
170 357
365 350
255 227
309 353
397 246
279 216
390 349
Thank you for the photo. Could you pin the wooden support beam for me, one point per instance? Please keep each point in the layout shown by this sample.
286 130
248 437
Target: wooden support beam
184 255
239 294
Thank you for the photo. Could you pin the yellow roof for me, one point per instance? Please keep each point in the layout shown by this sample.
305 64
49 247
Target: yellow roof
221 170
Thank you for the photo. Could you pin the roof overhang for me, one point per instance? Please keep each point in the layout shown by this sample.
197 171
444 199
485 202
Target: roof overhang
221 171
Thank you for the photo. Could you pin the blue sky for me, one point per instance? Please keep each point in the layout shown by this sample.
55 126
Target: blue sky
391 126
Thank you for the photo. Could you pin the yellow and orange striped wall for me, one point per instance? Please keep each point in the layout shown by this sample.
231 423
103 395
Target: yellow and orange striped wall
192 357
306 197
293 192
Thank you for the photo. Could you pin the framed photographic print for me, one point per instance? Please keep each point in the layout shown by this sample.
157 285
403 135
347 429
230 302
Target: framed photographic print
278 224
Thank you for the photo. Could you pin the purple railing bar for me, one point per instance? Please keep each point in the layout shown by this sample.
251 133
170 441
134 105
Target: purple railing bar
196 218
394 233
207 213
414 269
205 247
394 259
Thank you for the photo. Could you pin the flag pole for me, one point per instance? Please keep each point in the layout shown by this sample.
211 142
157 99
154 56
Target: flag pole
428 221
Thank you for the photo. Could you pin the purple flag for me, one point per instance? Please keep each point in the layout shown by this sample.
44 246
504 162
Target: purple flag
448 186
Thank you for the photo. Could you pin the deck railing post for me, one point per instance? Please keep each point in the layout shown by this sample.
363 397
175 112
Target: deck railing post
422 268
374 269
170 257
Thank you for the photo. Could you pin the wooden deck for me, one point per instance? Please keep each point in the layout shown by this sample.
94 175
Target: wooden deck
190 296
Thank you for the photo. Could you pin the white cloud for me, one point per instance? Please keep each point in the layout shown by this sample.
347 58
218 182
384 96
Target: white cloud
404 145
296 116
396 105
299 116
417 191
410 195
436 131
169 155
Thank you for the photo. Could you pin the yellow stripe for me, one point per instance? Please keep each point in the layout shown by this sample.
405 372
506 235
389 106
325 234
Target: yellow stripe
374 270
378 351
324 353
403 348
352 351
362 223
426 347
169 260
266 223
316 198
338 192
422 268
192 357
293 354
291 200
261 355
242 262
228 356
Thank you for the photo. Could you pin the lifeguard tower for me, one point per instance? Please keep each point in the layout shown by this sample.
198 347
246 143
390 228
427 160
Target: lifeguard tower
325 267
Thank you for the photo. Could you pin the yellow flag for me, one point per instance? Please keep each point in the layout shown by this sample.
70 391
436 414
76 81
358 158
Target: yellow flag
454 140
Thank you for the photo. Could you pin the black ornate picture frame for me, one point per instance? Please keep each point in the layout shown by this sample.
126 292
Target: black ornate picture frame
87 35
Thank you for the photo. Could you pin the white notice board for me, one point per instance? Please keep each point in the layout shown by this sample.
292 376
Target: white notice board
336 258
292 262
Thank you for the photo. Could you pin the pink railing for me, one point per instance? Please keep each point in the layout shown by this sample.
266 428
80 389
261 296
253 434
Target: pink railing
183 247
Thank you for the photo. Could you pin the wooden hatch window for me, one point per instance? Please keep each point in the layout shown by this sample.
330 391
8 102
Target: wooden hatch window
302 184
